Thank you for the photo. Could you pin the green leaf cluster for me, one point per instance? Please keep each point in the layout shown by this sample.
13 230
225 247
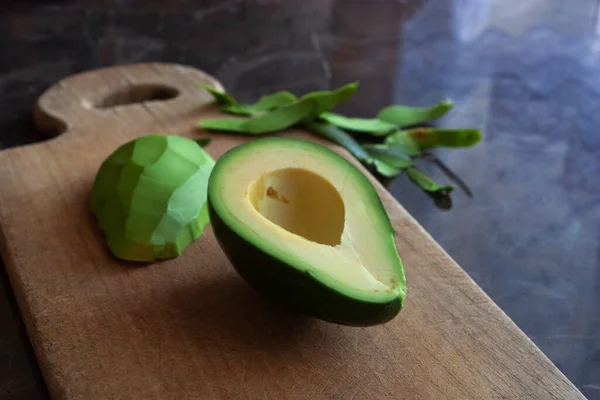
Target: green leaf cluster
401 131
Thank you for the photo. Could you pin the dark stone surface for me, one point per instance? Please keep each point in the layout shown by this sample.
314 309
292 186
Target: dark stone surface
526 72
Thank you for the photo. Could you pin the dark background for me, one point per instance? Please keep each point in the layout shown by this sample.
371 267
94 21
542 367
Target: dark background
527 73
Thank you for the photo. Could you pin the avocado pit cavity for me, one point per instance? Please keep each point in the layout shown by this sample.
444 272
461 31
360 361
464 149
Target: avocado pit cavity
300 202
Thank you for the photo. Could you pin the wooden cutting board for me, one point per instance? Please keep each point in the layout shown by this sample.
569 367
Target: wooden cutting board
190 328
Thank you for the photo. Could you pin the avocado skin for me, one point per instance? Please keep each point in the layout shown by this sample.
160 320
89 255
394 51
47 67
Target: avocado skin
281 283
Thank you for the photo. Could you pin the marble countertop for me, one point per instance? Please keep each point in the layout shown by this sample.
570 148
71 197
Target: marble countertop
527 73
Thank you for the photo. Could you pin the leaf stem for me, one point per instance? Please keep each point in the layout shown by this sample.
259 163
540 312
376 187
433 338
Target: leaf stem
449 173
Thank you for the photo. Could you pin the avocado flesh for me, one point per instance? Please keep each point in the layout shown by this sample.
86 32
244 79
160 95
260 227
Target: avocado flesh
300 206
149 197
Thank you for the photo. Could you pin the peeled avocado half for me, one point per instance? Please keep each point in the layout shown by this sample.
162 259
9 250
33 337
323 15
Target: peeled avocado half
149 197
305 227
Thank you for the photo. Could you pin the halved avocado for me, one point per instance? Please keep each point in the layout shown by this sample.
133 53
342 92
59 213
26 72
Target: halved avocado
305 227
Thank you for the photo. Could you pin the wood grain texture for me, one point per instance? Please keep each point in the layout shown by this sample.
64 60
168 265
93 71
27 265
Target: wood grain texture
190 327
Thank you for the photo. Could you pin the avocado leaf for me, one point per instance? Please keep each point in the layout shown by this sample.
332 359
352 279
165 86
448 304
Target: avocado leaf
239 109
401 141
280 118
326 100
388 162
265 103
224 124
272 121
386 170
426 183
342 138
372 126
275 100
407 116
413 141
428 138
222 98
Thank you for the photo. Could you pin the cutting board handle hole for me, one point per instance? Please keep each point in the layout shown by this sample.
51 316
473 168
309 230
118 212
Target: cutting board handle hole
47 123
133 95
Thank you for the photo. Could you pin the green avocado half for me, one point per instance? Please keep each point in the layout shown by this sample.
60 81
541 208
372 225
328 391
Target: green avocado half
149 197
306 228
